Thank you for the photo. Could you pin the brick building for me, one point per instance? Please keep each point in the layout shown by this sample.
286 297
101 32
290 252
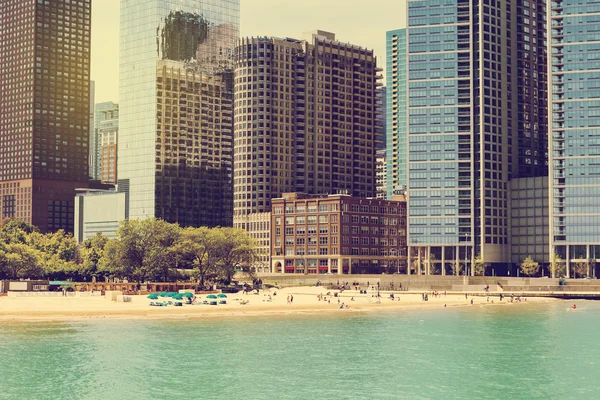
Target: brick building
337 234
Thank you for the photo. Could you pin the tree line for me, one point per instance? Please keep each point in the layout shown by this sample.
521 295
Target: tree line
144 250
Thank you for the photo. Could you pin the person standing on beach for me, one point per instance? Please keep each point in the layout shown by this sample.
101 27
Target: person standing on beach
291 299
288 299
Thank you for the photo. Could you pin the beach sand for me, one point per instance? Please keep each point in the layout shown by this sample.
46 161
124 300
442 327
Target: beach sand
305 301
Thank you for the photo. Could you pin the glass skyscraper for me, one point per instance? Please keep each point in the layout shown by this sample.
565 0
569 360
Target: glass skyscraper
176 109
476 95
575 144
395 113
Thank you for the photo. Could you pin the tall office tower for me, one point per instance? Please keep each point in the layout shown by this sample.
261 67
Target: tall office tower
106 134
44 109
476 90
305 119
575 146
395 113
176 101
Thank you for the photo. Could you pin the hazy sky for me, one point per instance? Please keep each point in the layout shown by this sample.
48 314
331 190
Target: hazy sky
359 22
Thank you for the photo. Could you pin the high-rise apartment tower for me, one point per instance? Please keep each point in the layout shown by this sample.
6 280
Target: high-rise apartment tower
305 114
476 96
395 113
574 115
176 109
44 109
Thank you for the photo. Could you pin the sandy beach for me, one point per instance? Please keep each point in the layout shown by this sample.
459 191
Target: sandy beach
306 300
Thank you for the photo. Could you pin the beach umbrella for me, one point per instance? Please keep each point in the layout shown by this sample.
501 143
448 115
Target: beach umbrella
211 296
163 294
153 296
222 296
187 294
178 297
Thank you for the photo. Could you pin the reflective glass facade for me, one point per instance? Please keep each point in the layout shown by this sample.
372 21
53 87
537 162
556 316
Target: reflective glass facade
575 127
440 122
396 72
175 89
476 101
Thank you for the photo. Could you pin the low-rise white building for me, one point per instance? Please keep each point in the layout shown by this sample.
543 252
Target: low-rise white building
98 211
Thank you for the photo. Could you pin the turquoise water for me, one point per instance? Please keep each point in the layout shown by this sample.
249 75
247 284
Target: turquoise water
511 352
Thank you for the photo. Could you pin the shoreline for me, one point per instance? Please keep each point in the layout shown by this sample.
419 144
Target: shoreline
306 302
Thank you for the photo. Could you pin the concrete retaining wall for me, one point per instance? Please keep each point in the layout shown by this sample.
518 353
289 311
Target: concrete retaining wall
437 282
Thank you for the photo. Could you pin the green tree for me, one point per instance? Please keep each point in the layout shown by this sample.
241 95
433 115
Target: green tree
144 249
234 249
457 267
529 267
92 251
579 269
557 266
16 230
196 252
18 260
479 265
60 256
433 265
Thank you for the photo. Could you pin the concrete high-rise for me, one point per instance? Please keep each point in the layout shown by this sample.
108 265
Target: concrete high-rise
395 113
44 109
176 103
106 134
574 117
476 95
305 119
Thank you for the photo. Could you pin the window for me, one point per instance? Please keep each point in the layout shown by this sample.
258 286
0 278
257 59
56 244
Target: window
323 208
323 241
323 219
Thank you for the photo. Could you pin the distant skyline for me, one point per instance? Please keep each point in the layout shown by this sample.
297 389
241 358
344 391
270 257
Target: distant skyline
354 21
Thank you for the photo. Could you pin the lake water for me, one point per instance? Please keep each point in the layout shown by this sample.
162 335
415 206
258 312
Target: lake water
507 352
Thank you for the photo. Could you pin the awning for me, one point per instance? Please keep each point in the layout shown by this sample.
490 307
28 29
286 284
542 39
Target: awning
60 283
323 268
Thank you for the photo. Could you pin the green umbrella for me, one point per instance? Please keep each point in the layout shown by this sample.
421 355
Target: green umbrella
211 296
153 296
163 294
222 296
187 294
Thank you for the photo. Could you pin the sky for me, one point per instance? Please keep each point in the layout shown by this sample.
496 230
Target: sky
359 22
